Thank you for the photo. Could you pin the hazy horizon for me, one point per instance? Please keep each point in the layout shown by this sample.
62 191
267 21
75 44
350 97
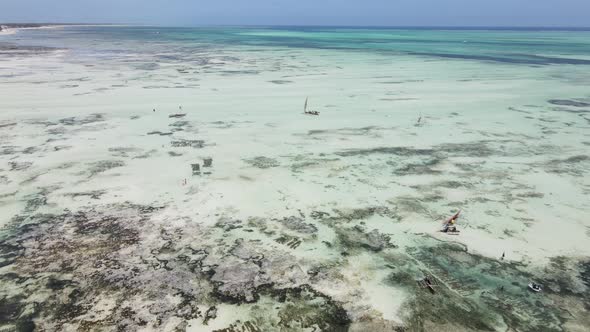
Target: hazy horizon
371 13
418 27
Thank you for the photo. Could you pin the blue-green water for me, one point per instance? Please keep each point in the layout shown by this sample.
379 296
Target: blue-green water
521 46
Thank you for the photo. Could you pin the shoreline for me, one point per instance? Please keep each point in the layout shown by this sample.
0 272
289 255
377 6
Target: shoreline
12 28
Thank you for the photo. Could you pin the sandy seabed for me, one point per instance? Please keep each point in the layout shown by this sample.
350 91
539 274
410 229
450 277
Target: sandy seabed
291 222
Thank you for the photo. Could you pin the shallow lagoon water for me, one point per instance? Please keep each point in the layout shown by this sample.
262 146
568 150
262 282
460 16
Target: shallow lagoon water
300 222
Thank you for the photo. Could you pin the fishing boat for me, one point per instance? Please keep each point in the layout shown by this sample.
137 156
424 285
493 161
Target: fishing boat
305 111
449 226
535 287
428 283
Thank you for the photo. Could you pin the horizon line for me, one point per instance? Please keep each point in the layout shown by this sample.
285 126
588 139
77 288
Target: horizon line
305 25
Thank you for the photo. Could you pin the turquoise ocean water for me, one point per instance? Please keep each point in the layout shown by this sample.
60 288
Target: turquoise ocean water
519 46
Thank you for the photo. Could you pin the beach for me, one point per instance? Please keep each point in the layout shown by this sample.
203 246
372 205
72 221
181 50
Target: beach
294 222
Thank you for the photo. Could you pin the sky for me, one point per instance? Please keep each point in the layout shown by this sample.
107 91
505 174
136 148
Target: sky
546 13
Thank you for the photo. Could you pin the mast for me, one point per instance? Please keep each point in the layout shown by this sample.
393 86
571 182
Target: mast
305 106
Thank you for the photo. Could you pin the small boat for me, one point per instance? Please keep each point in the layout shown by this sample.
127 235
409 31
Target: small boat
305 111
535 287
427 283
449 225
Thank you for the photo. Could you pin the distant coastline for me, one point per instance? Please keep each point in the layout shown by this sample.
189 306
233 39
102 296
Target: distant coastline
8 28
12 26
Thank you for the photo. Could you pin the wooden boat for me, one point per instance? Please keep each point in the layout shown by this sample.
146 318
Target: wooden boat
449 225
535 287
428 283
306 112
